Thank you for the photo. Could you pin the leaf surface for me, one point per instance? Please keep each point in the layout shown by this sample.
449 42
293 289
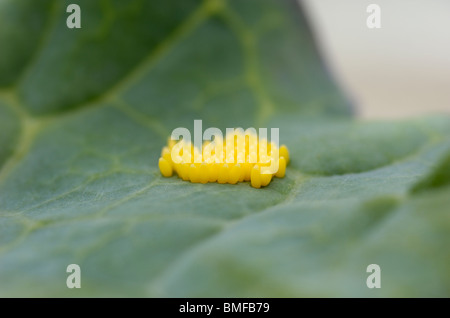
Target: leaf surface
84 114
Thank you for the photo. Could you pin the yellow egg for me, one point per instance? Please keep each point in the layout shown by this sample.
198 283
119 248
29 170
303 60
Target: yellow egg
203 173
166 154
223 174
235 173
265 177
194 173
247 171
184 171
213 172
255 178
281 168
284 152
165 167
243 163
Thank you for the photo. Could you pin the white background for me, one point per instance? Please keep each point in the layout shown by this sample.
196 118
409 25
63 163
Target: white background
400 70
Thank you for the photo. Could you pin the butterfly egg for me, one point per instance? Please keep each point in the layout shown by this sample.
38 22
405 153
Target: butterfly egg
203 173
176 168
248 159
247 167
234 174
266 176
255 177
213 172
165 167
166 154
183 171
284 152
241 172
223 174
194 173
281 168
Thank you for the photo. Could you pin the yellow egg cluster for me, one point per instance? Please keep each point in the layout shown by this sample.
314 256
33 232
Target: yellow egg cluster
250 160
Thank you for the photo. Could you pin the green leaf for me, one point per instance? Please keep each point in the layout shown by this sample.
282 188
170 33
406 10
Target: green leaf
85 112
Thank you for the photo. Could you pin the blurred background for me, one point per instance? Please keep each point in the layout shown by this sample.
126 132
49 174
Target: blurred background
400 70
